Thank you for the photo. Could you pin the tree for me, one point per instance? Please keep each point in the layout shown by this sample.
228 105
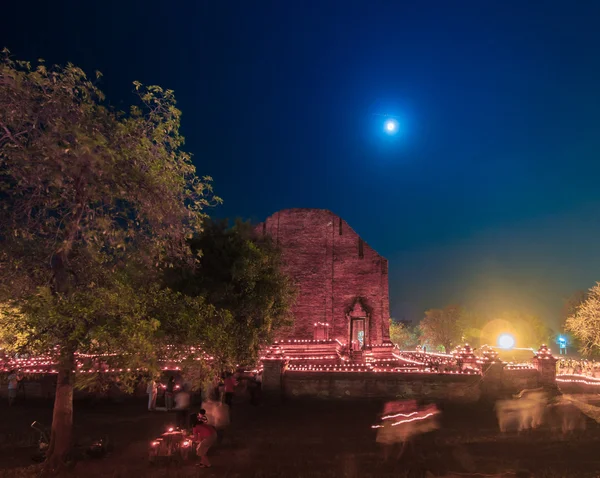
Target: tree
569 309
95 204
472 327
442 327
584 324
402 335
240 273
570 306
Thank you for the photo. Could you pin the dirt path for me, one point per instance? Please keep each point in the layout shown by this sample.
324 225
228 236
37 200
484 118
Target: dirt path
317 439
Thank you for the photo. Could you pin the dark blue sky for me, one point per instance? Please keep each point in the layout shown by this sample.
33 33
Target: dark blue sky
489 196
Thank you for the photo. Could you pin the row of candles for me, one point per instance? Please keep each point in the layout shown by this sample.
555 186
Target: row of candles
367 368
574 378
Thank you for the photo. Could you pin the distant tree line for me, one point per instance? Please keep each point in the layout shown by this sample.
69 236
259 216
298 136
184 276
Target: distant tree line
444 329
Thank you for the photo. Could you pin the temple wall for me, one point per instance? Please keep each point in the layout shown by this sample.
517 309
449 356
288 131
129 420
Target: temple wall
516 380
331 385
331 266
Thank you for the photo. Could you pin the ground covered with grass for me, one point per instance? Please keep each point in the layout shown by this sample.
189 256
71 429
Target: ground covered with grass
310 439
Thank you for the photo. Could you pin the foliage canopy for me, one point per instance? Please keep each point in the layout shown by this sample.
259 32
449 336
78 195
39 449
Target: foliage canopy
239 272
403 336
95 205
442 327
584 323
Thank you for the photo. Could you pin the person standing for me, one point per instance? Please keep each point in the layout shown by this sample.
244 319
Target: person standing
230 384
152 391
13 383
169 393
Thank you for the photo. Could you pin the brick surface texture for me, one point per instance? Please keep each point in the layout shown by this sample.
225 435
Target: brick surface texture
332 268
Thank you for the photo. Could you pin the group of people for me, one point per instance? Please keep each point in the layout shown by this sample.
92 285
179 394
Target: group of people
178 398
208 425
590 368
172 393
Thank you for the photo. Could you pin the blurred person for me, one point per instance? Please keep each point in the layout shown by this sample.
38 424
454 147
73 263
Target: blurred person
217 414
229 387
568 414
169 393
401 421
524 411
12 387
206 436
182 406
152 391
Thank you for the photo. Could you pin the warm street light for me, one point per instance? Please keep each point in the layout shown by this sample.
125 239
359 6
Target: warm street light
506 341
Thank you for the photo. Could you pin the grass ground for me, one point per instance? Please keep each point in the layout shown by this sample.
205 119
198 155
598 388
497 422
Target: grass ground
311 439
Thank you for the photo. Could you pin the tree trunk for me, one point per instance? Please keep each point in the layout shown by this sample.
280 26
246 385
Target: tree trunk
61 438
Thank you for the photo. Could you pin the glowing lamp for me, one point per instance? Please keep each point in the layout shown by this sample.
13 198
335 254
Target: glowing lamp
506 341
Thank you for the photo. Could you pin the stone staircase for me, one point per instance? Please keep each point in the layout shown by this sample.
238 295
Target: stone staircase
303 350
357 356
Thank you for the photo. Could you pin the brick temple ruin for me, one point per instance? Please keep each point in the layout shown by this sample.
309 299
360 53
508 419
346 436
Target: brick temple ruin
342 283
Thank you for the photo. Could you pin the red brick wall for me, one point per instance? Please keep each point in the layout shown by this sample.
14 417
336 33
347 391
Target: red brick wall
323 256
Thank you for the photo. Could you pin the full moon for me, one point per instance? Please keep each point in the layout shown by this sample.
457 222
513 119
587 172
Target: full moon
391 126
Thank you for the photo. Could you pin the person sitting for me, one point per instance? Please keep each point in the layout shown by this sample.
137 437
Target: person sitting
206 436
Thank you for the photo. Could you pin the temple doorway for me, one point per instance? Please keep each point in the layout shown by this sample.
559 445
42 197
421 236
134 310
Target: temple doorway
357 334
358 327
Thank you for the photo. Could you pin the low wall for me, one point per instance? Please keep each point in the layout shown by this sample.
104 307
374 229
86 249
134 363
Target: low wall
330 385
516 380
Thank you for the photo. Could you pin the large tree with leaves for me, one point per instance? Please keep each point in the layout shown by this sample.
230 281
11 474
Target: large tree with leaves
442 327
569 308
239 274
403 335
584 322
95 204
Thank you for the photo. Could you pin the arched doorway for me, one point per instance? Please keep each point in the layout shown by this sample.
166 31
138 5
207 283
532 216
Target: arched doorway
358 327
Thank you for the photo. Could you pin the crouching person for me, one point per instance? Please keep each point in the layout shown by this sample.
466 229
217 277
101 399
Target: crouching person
206 436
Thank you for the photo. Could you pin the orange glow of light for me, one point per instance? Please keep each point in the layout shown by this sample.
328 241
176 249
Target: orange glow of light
413 419
406 415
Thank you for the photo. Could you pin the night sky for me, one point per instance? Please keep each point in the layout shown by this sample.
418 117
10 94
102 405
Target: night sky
487 196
